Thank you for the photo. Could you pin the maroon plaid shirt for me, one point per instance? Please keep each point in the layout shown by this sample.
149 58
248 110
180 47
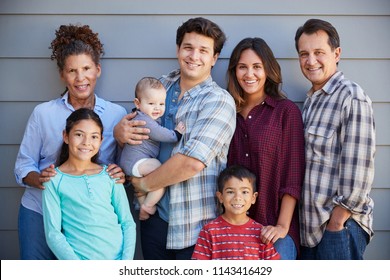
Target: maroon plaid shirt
270 143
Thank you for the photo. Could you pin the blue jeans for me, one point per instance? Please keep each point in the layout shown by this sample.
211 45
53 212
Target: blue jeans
154 233
346 244
32 240
286 248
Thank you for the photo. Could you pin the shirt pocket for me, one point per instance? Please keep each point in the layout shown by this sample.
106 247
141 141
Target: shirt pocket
319 142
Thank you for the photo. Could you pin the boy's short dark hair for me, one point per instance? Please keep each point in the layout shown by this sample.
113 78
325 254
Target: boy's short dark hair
236 171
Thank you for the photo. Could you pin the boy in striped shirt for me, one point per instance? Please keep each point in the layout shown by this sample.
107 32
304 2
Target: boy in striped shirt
233 235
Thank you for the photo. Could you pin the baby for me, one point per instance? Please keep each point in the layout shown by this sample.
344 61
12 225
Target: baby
140 160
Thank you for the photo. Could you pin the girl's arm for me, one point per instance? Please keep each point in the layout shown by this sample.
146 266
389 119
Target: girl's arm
52 222
122 209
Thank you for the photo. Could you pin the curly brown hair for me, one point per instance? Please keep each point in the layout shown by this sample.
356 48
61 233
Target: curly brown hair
73 40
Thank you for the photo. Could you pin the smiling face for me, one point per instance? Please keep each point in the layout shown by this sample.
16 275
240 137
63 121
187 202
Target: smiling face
237 197
80 74
196 58
152 102
317 60
250 74
84 140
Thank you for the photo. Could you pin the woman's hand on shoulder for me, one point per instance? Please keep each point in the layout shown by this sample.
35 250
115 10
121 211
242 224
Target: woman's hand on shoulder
36 180
117 173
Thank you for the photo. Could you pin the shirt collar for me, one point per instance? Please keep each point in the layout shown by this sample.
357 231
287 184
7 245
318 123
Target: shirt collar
330 86
333 82
174 76
100 104
199 87
270 101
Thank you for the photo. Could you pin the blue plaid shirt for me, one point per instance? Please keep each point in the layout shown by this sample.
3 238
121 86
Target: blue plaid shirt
340 148
209 115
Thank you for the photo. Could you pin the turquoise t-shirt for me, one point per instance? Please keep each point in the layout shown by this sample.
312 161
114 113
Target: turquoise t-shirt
88 217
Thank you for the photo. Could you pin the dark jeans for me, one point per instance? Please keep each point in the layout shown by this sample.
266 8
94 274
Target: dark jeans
154 239
346 244
32 240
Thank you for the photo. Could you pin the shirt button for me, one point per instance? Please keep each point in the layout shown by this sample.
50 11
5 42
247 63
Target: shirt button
249 117
246 155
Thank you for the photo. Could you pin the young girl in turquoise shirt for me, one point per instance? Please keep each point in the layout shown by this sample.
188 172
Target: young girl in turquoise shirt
86 215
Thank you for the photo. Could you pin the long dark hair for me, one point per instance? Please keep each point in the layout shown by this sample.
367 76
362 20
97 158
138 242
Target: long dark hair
272 69
71 121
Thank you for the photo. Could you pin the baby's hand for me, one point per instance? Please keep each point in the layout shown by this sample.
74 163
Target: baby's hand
180 127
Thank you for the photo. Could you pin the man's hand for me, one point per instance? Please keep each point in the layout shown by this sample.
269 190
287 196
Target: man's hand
139 189
338 218
130 131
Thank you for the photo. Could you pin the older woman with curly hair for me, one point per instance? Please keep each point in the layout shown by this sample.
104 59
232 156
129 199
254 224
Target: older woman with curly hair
77 50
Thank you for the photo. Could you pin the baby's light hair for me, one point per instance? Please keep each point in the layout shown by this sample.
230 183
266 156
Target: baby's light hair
147 83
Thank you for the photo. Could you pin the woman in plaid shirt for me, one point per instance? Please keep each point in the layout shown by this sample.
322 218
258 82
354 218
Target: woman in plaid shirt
268 140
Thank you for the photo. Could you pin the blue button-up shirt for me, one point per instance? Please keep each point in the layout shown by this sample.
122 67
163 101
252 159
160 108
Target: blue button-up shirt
42 141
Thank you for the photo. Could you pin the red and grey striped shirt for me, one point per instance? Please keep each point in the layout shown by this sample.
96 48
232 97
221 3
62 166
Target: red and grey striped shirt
220 240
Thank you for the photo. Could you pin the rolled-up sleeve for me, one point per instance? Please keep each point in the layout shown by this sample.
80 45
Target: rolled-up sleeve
357 157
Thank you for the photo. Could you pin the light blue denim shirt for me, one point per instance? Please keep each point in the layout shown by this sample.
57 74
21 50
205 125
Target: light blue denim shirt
42 141
168 121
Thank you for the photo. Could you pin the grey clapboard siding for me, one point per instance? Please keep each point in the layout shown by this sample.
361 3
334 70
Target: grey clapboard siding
139 40
201 7
158 33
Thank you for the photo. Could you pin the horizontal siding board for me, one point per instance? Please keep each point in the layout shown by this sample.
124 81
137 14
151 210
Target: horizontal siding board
154 36
25 78
335 7
9 244
382 163
7 162
381 199
378 248
382 117
10 200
